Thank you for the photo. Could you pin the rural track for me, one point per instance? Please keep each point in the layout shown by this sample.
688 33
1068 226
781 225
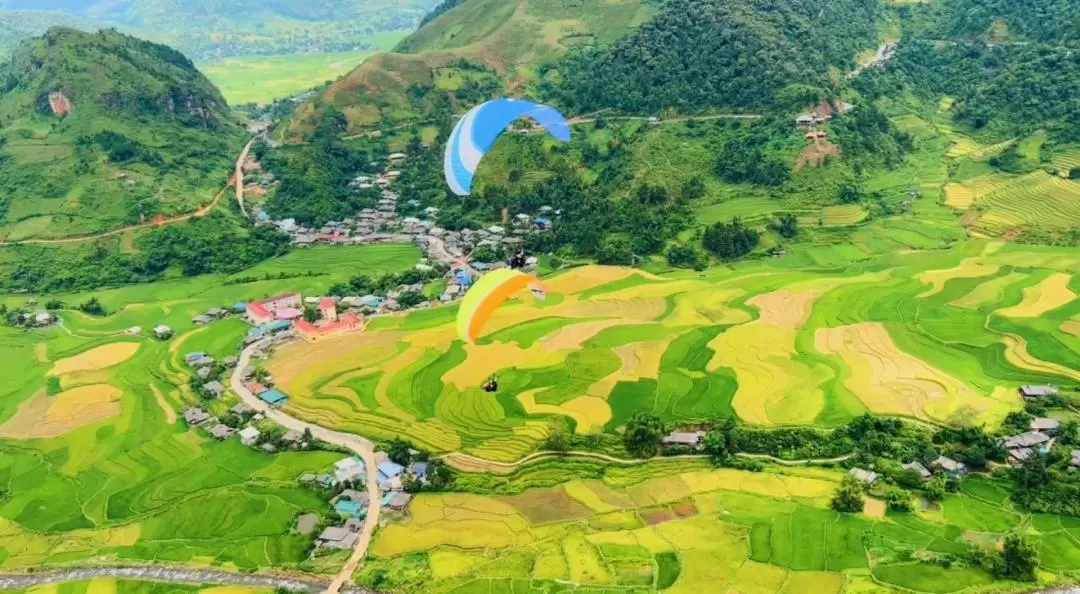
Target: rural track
361 446
175 575
200 212
238 176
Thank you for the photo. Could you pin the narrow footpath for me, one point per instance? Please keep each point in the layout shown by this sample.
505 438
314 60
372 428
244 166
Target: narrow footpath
362 447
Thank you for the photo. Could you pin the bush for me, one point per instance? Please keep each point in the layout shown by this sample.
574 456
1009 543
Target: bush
898 499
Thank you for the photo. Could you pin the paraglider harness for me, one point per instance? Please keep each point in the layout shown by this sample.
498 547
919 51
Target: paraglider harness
517 261
491 385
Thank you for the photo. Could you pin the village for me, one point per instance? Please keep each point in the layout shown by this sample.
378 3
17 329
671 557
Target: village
384 224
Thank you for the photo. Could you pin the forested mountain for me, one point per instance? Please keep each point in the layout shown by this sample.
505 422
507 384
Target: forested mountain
1041 21
730 54
101 129
208 29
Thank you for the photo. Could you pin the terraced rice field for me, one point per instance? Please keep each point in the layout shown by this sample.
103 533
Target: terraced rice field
661 526
842 215
1036 199
1067 160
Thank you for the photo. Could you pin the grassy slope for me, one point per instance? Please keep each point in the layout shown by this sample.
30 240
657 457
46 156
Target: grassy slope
53 188
505 36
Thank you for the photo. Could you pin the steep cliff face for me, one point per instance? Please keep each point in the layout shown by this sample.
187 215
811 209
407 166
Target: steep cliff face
112 74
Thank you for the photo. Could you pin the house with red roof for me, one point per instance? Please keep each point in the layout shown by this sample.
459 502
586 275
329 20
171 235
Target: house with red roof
349 322
263 312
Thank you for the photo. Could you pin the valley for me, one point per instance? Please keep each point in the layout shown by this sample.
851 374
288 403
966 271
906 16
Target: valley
805 313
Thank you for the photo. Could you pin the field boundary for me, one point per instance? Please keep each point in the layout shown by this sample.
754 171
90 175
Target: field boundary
479 462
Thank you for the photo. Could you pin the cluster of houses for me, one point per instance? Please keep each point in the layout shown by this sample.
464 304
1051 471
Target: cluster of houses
1041 433
249 434
352 505
951 468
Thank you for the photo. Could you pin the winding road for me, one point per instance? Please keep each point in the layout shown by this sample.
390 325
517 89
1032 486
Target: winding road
238 179
362 447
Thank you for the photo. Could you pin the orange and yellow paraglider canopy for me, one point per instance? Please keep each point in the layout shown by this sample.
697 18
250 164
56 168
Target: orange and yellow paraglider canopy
485 296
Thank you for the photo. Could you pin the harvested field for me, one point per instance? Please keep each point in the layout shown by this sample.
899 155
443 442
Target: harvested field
543 506
969 268
889 381
652 517
96 358
784 309
873 508
49 416
1052 293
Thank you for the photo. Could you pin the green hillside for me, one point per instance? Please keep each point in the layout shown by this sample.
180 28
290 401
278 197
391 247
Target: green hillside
102 130
470 52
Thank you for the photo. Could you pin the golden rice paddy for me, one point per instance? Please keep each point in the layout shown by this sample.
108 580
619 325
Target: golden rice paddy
890 381
774 388
1052 293
49 416
96 358
969 268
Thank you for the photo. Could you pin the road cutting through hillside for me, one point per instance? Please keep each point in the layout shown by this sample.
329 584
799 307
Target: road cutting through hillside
202 211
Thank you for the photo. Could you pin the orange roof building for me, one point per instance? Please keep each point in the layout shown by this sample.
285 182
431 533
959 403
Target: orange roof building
349 322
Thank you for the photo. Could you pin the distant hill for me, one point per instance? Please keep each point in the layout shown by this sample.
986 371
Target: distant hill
101 130
208 29
467 50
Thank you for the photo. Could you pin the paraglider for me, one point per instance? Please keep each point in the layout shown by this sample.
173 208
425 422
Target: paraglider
477 130
486 295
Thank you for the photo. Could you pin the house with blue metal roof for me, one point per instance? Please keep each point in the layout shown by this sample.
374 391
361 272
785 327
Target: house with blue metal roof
273 397
239 307
347 507
389 470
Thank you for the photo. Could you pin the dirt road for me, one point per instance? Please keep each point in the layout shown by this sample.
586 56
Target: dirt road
238 176
202 211
362 447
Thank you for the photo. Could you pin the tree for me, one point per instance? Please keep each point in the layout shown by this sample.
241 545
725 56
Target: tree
788 225
687 256
411 299
716 446
730 240
1017 421
93 307
615 248
439 474
693 188
849 496
935 488
1019 560
398 450
1068 432
643 433
849 194
558 440
898 499
311 315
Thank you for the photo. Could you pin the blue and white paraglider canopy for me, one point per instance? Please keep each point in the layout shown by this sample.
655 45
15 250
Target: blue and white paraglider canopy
477 131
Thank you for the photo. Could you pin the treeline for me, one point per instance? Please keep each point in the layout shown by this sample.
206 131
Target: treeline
210 244
1007 91
726 54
